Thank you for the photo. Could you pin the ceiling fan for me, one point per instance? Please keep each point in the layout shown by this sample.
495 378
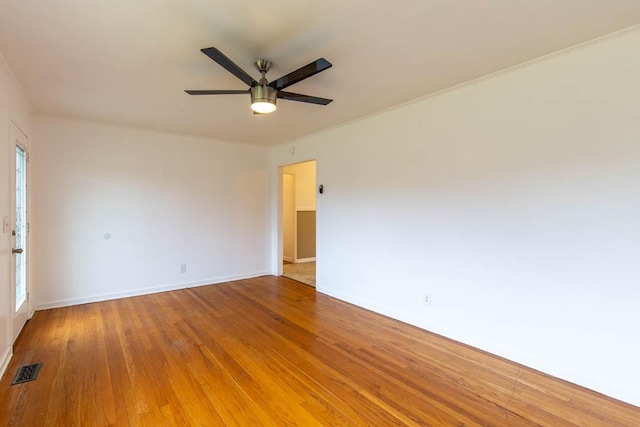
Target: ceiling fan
264 94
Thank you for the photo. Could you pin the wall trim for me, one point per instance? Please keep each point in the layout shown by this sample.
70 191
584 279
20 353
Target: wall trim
147 291
287 258
562 372
303 260
4 361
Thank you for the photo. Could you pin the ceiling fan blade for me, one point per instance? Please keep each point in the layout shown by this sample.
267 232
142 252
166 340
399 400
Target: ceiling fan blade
289 96
216 92
229 65
301 73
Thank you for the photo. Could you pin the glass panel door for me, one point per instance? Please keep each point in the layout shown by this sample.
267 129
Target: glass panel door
21 228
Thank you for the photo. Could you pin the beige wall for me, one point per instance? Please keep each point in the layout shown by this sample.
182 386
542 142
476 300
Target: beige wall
305 174
306 234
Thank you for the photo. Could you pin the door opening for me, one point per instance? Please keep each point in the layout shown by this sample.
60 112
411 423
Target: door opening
299 222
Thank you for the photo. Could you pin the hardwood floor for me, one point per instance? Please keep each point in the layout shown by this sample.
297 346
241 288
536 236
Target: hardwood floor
272 352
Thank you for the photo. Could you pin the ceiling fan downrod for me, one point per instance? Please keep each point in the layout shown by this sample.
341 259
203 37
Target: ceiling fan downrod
263 66
263 96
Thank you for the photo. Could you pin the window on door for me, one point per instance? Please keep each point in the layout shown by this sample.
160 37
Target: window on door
21 226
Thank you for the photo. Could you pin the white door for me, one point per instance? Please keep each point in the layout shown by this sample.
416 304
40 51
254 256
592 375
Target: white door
19 232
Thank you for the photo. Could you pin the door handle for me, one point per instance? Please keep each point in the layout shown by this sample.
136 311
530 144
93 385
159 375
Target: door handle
17 251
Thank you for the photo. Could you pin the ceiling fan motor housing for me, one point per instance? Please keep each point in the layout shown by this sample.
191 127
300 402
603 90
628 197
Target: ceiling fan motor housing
263 93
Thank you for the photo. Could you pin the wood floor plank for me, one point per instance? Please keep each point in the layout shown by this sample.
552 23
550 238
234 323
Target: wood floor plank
270 351
347 365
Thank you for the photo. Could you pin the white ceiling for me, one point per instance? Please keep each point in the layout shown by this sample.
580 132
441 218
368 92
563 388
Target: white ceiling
128 61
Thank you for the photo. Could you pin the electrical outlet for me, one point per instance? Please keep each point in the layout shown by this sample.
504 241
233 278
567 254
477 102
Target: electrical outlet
183 268
427 299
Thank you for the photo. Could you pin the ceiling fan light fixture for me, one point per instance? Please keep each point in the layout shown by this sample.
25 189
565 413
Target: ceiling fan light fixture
263 99
264 94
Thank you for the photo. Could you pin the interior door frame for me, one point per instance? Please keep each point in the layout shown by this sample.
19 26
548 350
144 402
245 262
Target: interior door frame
19 139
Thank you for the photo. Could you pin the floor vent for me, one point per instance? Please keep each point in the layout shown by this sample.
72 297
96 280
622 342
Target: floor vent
27 373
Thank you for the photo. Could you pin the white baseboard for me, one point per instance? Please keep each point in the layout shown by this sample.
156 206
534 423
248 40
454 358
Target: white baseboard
302 260
146 291
550 368
4 361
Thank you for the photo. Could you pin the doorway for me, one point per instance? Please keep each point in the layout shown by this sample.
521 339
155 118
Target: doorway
299 222
19 231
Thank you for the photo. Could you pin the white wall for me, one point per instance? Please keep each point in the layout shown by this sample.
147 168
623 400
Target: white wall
14 107
513 201
164 199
